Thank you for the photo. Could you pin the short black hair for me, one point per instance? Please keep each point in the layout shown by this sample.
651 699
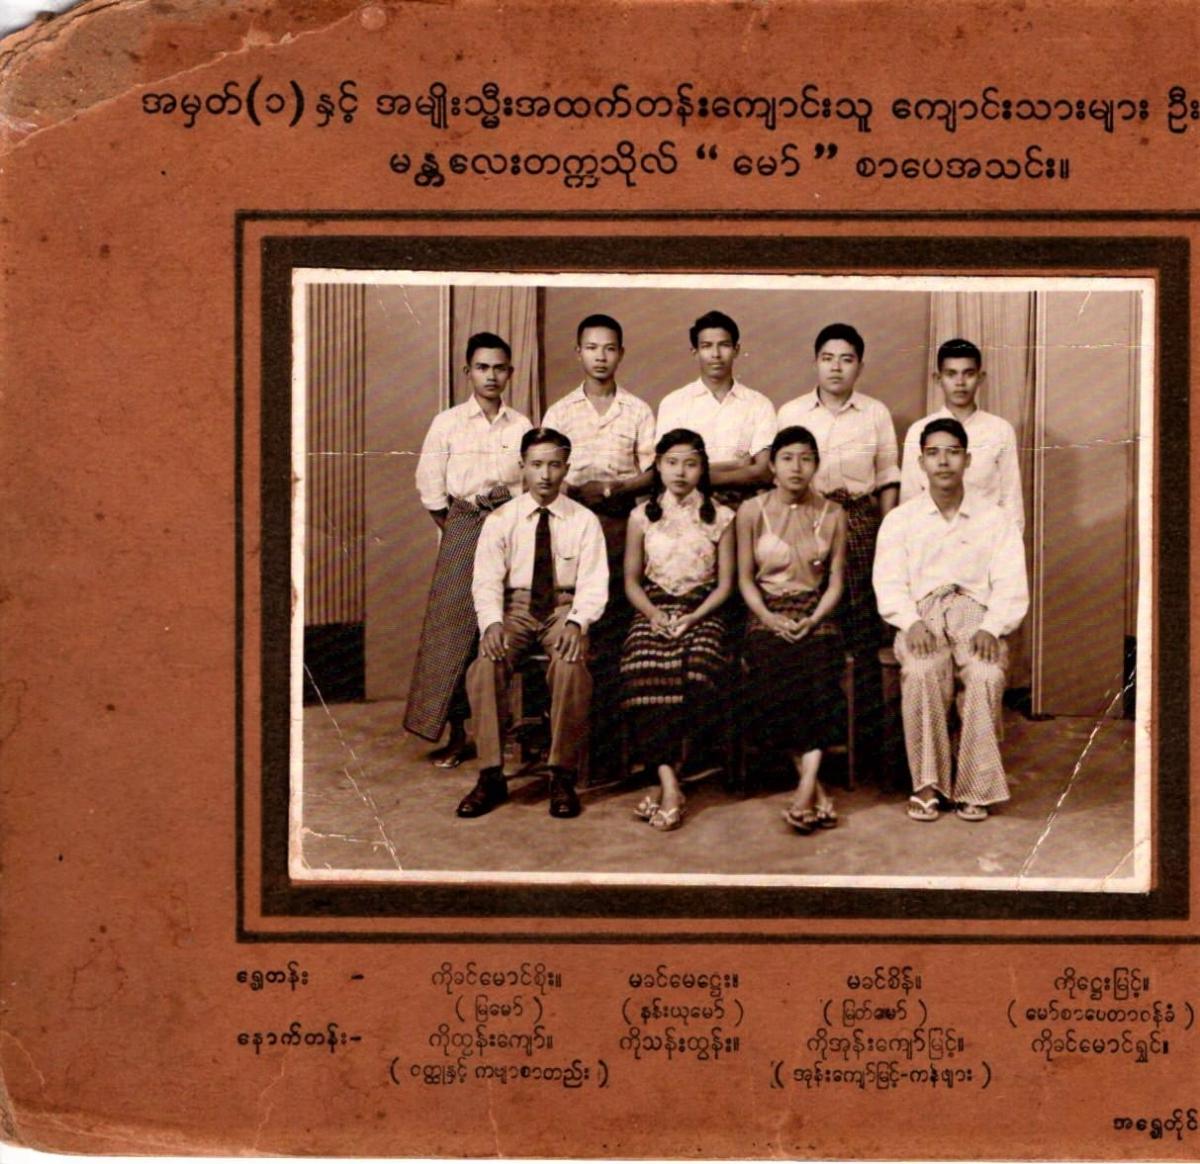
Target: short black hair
714 319
959 349
598 320
487 339
839 331
794 434
545 436
944 424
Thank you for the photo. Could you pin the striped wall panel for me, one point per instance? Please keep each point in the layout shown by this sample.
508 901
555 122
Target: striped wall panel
335 576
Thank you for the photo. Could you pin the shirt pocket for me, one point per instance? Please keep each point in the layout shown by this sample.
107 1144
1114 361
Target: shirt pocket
566 569
508 459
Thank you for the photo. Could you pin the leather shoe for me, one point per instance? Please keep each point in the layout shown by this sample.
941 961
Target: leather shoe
452 755
490 792
564 804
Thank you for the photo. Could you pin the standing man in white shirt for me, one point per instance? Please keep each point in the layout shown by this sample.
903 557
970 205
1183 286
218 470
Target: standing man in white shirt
469 465
612 450
860 471
994 472
541 580
611 430
737 423
950 576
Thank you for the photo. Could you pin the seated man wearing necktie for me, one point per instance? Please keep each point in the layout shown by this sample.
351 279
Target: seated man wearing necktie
950 577
541 580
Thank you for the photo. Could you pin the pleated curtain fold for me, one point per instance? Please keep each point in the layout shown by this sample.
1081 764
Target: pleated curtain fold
511 313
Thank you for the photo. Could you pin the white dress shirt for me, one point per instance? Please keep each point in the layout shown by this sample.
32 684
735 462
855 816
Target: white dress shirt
857 443
466 454
742 424
504 558
604 446
979 551
993 473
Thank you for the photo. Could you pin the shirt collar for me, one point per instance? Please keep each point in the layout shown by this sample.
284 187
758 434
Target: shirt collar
699 388
560 506
853 402
964 507
579 396
944 413
692 501
474 409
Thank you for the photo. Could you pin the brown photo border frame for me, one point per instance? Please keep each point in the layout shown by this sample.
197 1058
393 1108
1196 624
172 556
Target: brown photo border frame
1167 257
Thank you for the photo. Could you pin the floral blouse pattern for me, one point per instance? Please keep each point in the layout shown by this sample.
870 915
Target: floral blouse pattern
680 549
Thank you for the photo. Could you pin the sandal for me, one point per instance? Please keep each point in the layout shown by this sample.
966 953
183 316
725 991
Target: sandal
646 808
666 820
919 809
971 812
827 817
804 820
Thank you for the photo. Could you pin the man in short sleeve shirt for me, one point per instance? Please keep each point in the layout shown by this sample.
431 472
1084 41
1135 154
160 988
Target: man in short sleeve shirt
737 423
612 449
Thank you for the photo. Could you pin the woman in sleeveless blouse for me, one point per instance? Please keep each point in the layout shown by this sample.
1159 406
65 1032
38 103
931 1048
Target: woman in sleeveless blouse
791 561
679 569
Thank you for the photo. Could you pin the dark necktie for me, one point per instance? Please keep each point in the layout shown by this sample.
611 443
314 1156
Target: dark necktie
541 591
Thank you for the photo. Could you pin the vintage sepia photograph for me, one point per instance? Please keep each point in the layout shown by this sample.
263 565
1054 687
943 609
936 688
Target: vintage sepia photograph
711 579
600 581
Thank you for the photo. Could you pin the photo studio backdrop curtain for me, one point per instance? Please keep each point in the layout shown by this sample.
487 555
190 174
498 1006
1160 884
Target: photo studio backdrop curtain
511 313
335 474
1002 325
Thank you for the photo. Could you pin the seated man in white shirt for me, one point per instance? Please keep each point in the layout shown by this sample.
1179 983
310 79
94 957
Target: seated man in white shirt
994 472
737 423
541 580
950 576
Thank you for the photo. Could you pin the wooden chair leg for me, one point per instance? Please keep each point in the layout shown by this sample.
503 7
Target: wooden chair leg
851 727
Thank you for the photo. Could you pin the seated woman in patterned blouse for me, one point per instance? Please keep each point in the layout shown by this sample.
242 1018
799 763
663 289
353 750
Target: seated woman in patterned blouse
679 568
791 560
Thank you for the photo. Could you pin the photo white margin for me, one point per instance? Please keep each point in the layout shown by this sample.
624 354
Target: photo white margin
1139 878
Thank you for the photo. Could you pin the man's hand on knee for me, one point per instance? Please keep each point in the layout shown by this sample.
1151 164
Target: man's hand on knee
985 647
494 643
569 644
920 640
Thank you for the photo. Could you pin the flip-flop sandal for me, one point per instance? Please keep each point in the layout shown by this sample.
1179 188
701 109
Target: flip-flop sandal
646 808
925 810
666 820
971 812
827 818
804 822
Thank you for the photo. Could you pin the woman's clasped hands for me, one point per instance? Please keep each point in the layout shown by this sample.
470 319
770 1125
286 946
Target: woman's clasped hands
791 629
670 626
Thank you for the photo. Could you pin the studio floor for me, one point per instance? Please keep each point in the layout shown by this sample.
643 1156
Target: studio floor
373 803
